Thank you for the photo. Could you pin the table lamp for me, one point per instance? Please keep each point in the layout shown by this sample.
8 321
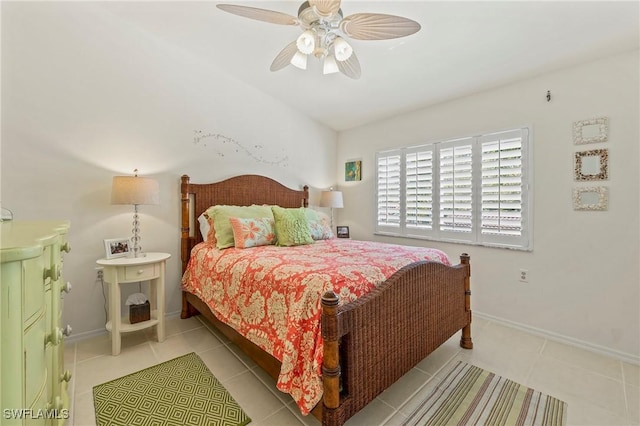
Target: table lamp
135 190
332 199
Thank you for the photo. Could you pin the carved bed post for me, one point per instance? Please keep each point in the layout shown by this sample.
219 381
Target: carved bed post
331 361
305 200
465 340
187 310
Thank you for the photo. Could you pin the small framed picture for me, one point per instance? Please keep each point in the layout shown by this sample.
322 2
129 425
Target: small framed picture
117 247
342 231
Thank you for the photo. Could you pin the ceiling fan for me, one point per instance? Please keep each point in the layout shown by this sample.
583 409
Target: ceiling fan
324 28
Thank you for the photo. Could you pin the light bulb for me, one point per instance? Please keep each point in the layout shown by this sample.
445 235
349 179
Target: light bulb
330 65
342 49
299 60
306 43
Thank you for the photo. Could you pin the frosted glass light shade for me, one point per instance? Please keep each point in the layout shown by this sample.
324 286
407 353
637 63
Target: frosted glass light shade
299 60
331 199
134 190
342 49
306 42
330 66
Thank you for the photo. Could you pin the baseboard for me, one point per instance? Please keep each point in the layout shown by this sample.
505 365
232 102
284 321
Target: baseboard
92 333
622 356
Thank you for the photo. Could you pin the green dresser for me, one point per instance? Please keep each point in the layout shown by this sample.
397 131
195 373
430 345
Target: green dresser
34 382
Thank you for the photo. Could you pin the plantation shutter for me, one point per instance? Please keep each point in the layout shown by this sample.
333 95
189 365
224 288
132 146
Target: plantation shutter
456 189
503 186
419 189
389 190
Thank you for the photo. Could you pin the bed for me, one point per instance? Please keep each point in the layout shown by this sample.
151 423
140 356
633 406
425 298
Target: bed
366 344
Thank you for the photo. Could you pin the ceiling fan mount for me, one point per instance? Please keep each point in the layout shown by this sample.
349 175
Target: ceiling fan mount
324 31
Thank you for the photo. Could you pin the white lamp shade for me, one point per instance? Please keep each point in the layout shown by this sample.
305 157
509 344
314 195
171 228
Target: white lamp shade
342 49
306 42
330 65
331 199
134 190
299 60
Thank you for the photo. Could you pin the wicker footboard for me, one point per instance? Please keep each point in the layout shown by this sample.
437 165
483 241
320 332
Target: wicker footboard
375 340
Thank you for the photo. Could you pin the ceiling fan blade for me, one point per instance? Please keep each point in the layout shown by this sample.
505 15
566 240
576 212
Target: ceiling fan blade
350 67
284 57
265 15
377 26
326 8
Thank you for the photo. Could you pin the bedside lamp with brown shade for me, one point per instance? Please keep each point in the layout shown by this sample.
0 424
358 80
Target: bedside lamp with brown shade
135 190
332 199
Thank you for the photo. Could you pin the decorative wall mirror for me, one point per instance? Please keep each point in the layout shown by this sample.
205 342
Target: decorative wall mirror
596 198
592 165
591 131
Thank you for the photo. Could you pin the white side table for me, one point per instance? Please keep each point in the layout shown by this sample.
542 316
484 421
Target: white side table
134 269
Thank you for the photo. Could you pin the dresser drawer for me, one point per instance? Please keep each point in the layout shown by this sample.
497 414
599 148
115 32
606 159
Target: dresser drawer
141 272
35 365
33 287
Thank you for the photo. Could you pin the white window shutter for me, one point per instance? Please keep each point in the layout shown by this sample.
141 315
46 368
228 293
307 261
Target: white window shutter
456 186
389 190
419 189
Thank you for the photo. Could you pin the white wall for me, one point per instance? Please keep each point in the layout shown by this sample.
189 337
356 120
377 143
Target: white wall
86 97
584 280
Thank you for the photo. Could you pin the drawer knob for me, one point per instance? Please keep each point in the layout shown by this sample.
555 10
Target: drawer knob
66 287
66 376
53 273
140 271
67 330
66 247
55 337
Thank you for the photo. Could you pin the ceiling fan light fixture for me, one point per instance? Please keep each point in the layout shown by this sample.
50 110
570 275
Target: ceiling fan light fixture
342 49
306 42
299 60
330 66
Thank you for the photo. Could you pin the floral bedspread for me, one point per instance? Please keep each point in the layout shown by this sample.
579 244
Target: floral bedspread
272 296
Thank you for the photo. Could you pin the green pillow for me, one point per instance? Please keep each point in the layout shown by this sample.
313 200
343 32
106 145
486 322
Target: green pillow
222 225
292 228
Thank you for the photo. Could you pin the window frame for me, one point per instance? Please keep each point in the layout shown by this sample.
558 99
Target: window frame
476 236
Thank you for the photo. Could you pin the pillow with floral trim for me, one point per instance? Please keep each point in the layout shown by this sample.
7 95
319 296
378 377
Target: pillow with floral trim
319 225
207 229
222 225
253 232
292 227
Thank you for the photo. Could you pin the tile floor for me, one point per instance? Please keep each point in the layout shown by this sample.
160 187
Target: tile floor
599 390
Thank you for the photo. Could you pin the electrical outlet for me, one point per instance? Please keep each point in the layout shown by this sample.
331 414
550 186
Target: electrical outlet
524 276
99 272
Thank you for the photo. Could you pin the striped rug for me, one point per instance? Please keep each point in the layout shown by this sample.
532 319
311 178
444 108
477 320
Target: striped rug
469 395
178 392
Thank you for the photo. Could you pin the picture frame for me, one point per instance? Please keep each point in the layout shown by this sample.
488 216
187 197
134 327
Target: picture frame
591 165
591 198
342 231
591 131
117 247
353 171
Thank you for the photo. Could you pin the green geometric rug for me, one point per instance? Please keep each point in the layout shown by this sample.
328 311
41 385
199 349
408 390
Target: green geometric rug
469 395
178 392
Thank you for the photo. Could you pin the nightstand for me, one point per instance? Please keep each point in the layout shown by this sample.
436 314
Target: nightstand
128 270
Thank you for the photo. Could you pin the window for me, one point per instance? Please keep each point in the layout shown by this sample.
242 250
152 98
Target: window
473 190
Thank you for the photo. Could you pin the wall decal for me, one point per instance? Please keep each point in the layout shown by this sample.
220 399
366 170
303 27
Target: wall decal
215 140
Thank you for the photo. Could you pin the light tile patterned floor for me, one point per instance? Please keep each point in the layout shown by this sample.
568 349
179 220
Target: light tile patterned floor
599 390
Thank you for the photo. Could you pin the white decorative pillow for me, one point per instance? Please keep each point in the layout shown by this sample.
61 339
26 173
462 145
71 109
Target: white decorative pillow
319 225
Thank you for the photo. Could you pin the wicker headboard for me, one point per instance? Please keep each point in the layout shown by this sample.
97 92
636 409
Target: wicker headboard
242 190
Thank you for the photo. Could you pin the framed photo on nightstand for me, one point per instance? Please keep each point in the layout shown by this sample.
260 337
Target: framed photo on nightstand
117 247
342 231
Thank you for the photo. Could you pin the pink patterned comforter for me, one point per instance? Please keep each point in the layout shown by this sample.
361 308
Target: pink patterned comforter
271 295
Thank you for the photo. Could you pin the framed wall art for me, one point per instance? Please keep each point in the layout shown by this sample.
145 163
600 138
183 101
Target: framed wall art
591 165
353 170
593 198
591 131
